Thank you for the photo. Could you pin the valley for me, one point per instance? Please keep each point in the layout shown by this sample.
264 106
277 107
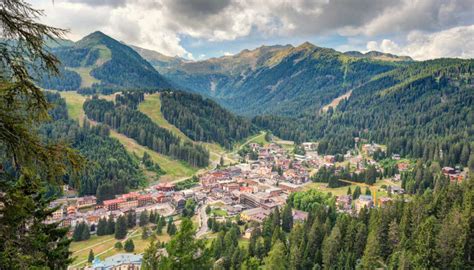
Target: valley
217 152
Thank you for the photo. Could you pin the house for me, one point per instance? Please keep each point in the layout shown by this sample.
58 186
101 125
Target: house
363 201
448 170
165 187
255 214
299 216
395 190
121 261
403 166
248 233
329 159
384 201
178 201
343 202
309 146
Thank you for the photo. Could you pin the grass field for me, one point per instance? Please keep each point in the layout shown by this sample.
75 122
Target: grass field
175 169
74 102
103 246
219 212
152 107
86 78
343 190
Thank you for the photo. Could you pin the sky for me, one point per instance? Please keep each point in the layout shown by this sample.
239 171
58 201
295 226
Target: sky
201 29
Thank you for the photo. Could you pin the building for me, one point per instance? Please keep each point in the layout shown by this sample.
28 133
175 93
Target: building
165 187
86 201
363 201
121 261
299 216
128 204
112 205
289 187
255 214
343 202
144 200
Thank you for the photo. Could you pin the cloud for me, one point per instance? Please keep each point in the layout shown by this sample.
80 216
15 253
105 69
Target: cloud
160 24
453 42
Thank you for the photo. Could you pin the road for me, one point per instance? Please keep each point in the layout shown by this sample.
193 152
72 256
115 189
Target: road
203 221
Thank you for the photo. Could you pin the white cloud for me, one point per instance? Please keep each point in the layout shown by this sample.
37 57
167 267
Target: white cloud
453 42
160 24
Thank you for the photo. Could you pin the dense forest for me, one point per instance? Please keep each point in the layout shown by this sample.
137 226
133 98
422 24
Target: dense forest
423 111
203 119
109 169
141 128
432 230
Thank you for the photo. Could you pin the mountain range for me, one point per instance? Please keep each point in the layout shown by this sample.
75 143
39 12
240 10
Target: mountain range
299 93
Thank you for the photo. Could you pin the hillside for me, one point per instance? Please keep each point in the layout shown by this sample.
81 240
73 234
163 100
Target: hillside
99 62
283 80
423 111
203 119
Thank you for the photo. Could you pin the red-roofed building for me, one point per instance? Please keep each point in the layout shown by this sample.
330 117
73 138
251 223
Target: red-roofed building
132 196
165 187
113 204
144 200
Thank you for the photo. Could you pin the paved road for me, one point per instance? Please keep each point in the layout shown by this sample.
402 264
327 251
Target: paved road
203 221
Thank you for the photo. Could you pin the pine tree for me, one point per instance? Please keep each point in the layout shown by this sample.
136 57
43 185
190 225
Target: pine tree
102 227
144 218
131 219
33 163
151 257
110 225
145 233
91 256
287 218
121 228
276 259
129 246
184 251
331 247
86 232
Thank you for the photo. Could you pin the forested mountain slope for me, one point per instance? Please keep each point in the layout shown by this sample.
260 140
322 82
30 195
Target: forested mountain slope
203 119
124 117
281 80
99 62
109 168
425 110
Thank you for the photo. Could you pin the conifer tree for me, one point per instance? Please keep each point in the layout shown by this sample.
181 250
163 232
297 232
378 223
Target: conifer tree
129 246
91 256
121 228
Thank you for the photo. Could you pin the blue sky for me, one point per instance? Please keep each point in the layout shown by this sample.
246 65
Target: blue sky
199 29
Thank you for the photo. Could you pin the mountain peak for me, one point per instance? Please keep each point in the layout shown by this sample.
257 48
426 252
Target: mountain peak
95 38
306 46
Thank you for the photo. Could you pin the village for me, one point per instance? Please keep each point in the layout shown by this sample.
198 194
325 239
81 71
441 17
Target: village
249 190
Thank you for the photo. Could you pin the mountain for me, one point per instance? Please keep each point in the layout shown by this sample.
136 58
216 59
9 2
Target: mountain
101 62
282 80
375 55
424 110
158 60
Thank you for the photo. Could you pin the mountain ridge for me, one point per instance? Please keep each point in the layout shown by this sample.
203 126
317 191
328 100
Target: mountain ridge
100 63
